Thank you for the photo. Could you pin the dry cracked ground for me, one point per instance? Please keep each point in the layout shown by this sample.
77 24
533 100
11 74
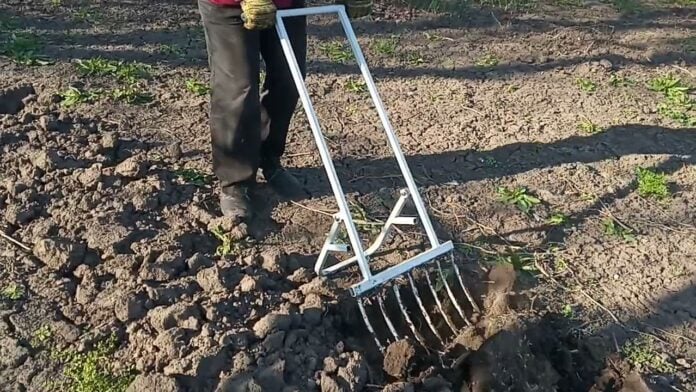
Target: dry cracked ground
552 142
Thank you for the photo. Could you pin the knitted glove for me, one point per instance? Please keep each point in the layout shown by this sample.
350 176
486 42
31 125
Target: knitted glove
258 14
357 8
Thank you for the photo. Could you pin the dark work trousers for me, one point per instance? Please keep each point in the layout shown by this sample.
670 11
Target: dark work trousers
249 127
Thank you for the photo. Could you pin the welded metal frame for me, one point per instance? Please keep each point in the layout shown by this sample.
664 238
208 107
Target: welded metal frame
361 256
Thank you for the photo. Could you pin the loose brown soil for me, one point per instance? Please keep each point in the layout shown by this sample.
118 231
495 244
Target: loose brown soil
113 232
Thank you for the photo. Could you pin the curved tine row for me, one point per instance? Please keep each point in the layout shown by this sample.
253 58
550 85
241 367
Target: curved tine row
422 308
368 324
449 322
451 294
408 318
386 317
474 305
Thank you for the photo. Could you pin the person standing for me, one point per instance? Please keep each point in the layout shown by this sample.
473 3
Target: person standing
249 123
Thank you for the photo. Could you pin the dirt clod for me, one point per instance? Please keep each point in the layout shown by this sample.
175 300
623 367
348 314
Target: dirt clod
248 284
12 354
154 382
398 358
272 322
180 314
59 254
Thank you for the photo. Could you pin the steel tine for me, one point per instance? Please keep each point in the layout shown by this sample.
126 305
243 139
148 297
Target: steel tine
474 305
449 322
368 324
422 308
408 318
451 294
386 318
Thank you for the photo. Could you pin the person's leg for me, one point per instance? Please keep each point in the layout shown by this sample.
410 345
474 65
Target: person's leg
235 113
279 101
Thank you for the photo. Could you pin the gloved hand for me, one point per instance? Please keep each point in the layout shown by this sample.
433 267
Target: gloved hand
258 14
357 8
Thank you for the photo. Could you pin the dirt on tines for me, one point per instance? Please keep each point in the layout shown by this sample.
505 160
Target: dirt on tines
112 233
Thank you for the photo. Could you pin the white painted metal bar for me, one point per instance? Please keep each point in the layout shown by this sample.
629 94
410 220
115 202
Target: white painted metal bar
391 136
319 138
401 268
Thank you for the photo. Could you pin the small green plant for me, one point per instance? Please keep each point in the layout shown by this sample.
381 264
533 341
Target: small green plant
131 94
125 72
41 336
518 197
677 104
586 85
336 51
522 262
73 96
487 61
56 3
363 221
194 177
587 126
172 49
620 81
567 311
560 265
386 46
652 184
616 229
414 58
96 66
8 24
356 86
558 219
227 247
91 371
196 87
23 49
13 292
641 353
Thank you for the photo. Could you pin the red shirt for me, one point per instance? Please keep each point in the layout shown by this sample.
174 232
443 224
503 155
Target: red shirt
235 3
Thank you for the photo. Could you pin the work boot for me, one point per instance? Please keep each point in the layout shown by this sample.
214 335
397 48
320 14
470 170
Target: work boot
234 201
284 183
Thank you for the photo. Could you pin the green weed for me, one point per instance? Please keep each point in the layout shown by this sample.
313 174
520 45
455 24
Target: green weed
677 104
73 96
586 85
386 46
641 353
227 247
518 197
91 371
587 126
560 265
567 311
13 292
652 184
196 87
41 336
56 3
522 262
24 49
124 72
356 86
615 229
414 58
558 219
172 49
336 51
131 94
487 61
194 177
8 23
620 81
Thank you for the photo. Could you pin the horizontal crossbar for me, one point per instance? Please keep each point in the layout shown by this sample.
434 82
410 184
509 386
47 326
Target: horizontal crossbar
326 9
399 269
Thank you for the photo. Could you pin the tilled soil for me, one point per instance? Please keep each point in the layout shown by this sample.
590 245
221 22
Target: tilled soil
111 228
